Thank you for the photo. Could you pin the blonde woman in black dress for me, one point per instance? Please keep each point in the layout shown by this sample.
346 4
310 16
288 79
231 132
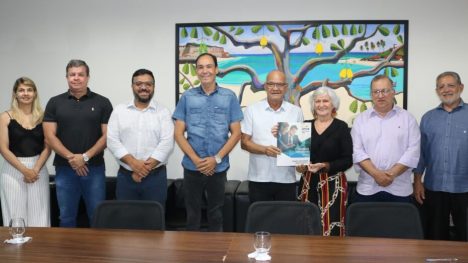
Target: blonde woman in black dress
323 181
24 181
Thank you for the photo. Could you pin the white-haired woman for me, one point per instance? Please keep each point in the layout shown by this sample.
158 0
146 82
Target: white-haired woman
24 181
323 181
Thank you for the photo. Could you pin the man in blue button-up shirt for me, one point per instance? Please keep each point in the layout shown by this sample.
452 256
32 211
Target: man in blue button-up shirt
208 114
444 158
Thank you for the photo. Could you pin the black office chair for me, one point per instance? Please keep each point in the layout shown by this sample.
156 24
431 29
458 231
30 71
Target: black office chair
129 214
284 217
467 224
383 219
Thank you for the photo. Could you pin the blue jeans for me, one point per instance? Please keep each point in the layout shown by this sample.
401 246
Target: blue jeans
194 187
70 187
382 196
153 187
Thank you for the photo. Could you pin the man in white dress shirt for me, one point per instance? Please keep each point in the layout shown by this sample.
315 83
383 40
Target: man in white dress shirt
268 182
140 135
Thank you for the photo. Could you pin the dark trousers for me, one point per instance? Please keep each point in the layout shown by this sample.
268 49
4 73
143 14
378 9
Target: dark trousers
153 187
268 191
437 208
195 186
382 197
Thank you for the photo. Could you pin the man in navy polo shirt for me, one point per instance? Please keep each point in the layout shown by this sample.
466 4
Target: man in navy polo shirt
75 125
211 117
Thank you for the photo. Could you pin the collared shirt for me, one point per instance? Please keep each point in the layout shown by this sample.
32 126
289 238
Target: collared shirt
386 141
78 122
444 149
142 133
207 121
259 118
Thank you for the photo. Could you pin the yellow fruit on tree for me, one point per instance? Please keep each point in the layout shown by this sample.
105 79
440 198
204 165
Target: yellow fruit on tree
349 73
319 48
263 41
343 73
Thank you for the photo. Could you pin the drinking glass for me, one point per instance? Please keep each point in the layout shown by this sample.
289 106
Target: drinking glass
17 227
262 243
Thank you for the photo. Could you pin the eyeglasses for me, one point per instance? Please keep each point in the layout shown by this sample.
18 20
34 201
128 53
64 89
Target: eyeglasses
273 85
384 92
449 86
141 84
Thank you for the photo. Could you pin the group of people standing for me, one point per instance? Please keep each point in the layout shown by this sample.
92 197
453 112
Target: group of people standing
74 126
385 145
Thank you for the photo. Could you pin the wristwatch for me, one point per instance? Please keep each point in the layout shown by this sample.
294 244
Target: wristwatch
218 159
85 157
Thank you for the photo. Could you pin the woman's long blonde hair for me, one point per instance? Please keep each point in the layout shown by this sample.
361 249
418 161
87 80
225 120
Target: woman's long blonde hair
37 112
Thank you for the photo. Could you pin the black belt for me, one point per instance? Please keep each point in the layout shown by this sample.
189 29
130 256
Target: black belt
126 171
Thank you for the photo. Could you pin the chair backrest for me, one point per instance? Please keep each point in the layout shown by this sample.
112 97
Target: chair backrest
284 217
129 214
384 219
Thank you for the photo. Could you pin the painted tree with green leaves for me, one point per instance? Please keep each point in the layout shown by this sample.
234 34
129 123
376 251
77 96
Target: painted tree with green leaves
340 39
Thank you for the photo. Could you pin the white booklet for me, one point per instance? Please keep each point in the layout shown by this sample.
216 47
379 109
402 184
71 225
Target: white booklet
294 141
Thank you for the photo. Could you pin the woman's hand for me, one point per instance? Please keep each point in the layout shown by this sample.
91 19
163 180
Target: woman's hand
30 176
301 168
315 167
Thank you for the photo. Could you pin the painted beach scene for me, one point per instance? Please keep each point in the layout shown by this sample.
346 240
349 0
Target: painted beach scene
343 55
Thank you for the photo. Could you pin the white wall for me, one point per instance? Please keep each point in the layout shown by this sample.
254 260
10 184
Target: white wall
116 37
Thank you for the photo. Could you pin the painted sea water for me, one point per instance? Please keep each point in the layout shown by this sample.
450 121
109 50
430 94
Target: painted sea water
262 64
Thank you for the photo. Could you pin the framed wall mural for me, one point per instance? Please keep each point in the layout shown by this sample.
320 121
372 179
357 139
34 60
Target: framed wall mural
343 55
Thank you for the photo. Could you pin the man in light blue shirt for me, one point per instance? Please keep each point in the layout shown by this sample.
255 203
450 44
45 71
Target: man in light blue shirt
444 159
211 117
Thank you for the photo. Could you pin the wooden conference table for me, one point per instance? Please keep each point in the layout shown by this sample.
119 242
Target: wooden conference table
97 245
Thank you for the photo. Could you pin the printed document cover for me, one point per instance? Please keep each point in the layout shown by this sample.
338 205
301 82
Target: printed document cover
294 142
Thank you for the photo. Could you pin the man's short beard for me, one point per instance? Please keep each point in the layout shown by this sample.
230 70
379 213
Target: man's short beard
452 100
143 100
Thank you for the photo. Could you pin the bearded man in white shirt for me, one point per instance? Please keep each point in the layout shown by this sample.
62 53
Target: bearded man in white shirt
140 135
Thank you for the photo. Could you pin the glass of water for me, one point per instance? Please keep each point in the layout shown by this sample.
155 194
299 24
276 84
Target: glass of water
17 227
262 244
